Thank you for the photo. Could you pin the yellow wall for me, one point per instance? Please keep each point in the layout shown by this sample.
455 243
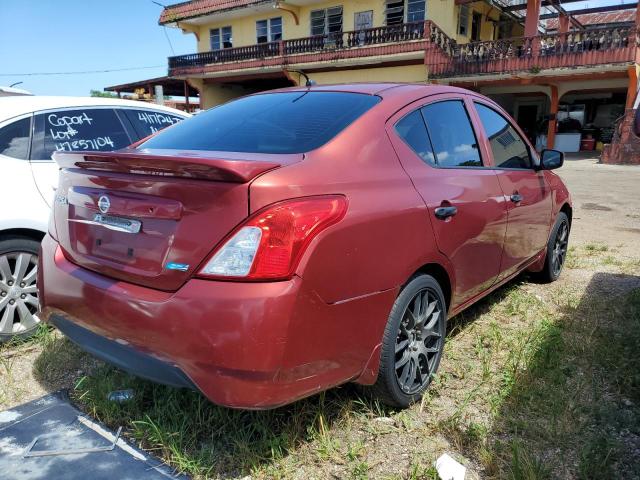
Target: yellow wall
443 12
405 74
215 94
487 27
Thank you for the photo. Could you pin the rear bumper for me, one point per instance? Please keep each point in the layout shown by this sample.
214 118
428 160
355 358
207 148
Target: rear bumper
244 345
122 356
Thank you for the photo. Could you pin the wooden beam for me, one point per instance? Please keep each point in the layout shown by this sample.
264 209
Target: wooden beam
582 11
545 3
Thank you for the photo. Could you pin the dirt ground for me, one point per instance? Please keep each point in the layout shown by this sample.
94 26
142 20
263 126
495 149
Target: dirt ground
488 387
606 202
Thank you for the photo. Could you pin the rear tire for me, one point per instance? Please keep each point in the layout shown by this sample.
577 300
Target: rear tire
557 247
413 342
18 288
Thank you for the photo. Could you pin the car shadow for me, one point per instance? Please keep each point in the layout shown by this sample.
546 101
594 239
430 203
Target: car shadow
572 408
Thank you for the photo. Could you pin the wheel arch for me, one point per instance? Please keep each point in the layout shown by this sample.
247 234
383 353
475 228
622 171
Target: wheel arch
441 275
30 233
567 210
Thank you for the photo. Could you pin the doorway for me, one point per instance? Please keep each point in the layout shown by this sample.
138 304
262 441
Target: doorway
528 120
476 24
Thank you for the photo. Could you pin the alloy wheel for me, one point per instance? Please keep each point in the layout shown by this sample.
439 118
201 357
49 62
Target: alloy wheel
419 341
18 293
559 253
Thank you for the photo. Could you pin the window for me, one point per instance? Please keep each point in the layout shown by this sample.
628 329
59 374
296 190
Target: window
416 10
463 20
14 139
451 134
509 150
269 30
146 122
87 129
326 21
414 133
220 38
395 11
291 122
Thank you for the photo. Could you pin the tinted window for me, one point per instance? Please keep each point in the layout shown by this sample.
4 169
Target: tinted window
509 150
14 139
77 130
454 142
146 122
413 131
292 122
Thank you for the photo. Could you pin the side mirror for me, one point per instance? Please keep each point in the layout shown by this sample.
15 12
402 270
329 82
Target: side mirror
551 159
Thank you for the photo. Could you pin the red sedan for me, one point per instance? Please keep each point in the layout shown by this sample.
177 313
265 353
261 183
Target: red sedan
294 240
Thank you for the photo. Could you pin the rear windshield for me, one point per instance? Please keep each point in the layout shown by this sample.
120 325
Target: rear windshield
291 122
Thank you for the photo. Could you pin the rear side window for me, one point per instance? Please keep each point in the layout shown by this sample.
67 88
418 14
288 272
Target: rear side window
146 122
454 142
292 122
414 132
14 139
97 129
509 150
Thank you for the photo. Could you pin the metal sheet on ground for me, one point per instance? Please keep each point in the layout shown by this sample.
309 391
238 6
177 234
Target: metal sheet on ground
49 438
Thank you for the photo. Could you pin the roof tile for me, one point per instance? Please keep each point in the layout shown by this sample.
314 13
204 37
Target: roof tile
196 8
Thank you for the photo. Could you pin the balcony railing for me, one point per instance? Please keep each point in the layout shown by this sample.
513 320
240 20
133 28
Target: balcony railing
443 56
559 50
320 43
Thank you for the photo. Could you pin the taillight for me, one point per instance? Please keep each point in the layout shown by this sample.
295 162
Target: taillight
268 246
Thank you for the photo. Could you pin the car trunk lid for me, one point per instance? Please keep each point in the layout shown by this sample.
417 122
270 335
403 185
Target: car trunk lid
151 217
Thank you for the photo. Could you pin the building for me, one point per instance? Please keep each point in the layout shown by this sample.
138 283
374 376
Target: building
173 92
567 77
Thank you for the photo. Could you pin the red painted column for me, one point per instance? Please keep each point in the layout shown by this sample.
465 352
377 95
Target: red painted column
553 111
563 23
533 18
632 86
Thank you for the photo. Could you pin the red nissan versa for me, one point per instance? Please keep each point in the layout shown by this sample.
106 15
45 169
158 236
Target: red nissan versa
291 241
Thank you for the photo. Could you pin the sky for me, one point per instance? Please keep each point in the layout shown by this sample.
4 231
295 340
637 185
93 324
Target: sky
48 36
39 36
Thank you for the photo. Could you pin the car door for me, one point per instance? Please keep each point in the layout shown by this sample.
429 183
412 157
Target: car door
20 203
71 129
527 194
437 147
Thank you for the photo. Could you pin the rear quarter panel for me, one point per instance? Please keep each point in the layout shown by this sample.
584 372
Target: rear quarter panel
385 235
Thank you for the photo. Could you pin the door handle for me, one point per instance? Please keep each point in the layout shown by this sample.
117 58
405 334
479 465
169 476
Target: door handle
516 198
445 212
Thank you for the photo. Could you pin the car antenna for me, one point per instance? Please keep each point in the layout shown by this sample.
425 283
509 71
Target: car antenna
309 83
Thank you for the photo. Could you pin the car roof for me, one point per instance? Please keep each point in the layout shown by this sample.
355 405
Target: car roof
19 105
384 89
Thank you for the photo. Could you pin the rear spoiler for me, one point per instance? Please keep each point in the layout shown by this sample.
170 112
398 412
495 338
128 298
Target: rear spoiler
170 163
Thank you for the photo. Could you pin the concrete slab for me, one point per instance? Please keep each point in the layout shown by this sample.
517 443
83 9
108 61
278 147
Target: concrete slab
49 438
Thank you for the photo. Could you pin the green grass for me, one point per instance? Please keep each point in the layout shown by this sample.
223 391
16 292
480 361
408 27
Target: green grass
538 381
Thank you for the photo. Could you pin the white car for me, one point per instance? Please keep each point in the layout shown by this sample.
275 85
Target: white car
31 129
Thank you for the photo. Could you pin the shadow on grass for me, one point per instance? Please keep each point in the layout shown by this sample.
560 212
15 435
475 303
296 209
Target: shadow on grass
572 407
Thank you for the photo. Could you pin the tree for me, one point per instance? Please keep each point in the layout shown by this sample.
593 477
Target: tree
98 93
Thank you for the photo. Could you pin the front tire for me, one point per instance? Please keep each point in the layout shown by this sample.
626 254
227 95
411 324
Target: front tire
18 288
557 248
413 342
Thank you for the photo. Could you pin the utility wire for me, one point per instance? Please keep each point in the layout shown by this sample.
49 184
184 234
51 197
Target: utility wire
33 74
